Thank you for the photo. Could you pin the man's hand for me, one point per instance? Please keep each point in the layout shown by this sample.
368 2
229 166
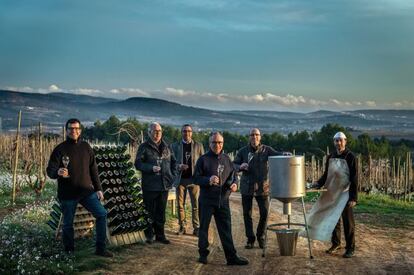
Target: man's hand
156 169
214 180
233 187
182 167
244 166
63 172
100 195
351 203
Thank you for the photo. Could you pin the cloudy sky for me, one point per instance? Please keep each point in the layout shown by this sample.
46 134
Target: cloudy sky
222 54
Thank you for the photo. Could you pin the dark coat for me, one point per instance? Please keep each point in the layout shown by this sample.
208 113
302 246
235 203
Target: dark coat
255 181
146 158
83 172
206 167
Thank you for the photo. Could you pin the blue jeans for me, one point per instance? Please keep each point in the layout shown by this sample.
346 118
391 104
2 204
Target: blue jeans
93 205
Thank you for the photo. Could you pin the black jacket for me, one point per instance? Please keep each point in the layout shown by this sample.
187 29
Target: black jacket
255 181
353 175
83 172
206 167
146 158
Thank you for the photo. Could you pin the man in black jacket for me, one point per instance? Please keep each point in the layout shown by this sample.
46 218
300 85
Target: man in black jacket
73 164
344 163
157 164
215 174
252 161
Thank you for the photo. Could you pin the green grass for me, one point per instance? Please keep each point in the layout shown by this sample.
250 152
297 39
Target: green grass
26 195
382 210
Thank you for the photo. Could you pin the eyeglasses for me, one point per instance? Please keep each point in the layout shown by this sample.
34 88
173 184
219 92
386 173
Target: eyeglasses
252 135
217 142
187 131
74 128
157 131
338 140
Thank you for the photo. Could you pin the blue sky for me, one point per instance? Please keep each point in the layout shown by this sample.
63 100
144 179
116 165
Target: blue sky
221 54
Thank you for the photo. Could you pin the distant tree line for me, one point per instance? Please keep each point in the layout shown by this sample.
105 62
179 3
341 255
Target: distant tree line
314 143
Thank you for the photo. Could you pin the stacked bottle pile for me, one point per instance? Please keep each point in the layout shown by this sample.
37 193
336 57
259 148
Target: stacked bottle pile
55 216
122 190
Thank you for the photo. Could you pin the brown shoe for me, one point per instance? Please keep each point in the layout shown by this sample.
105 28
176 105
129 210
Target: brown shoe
333 249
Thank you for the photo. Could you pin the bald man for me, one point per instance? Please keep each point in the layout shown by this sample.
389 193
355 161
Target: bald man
251 160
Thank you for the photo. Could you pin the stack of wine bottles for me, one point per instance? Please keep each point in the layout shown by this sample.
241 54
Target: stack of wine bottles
83 221
55 216
122 190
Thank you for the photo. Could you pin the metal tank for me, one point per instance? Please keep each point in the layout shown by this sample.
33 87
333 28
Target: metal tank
287 179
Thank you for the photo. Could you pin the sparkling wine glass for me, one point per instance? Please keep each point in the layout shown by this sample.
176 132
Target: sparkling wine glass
65 162
159 162
187 157
220 169
250 156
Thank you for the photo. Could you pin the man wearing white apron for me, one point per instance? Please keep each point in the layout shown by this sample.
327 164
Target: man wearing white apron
341 181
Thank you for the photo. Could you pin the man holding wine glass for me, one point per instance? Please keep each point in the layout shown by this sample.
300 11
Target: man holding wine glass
187 151
157 164
251 160
73 164
214 174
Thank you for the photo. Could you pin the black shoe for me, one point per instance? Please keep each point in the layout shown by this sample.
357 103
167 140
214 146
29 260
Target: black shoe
333 249
249 245
202 259
163 240
348 253
195 232
149 241
104 253
238 261
181 231
261 242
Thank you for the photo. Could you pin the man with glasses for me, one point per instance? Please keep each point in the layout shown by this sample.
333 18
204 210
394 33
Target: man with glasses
215 174
252 161
73 164
341 181
157 164
187 151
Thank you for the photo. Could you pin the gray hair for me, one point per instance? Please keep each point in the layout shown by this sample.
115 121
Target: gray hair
216 133
152 125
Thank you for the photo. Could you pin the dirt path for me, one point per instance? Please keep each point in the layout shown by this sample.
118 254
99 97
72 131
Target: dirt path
379 251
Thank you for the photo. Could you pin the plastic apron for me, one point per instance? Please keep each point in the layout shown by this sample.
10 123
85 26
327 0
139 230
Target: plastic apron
326 212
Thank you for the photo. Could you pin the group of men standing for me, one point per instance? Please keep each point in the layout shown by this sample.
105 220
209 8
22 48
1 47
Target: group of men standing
209 178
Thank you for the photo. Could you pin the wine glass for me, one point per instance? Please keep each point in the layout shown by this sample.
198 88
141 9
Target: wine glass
159 162
250 156
220 169
65 162
187 157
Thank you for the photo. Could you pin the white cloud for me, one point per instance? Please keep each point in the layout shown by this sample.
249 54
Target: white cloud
54 88
225 101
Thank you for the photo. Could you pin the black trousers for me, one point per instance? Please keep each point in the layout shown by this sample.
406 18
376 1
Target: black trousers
263 203
155 203
222 217
349 229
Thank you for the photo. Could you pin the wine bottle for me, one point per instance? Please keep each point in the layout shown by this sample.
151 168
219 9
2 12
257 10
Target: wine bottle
110 174
116 173
116 190
113 181
108 191
113 209
55 216
56 207
103 174
115 220
117 229
118 181
52 224
110 202
105 182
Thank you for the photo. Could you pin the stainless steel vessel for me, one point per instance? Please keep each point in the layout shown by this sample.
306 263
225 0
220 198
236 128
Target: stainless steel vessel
287 179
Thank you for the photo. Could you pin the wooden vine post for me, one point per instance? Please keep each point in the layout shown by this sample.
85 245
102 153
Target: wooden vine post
16 157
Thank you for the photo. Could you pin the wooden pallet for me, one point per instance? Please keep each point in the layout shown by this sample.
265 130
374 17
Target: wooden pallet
126 238
83 224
